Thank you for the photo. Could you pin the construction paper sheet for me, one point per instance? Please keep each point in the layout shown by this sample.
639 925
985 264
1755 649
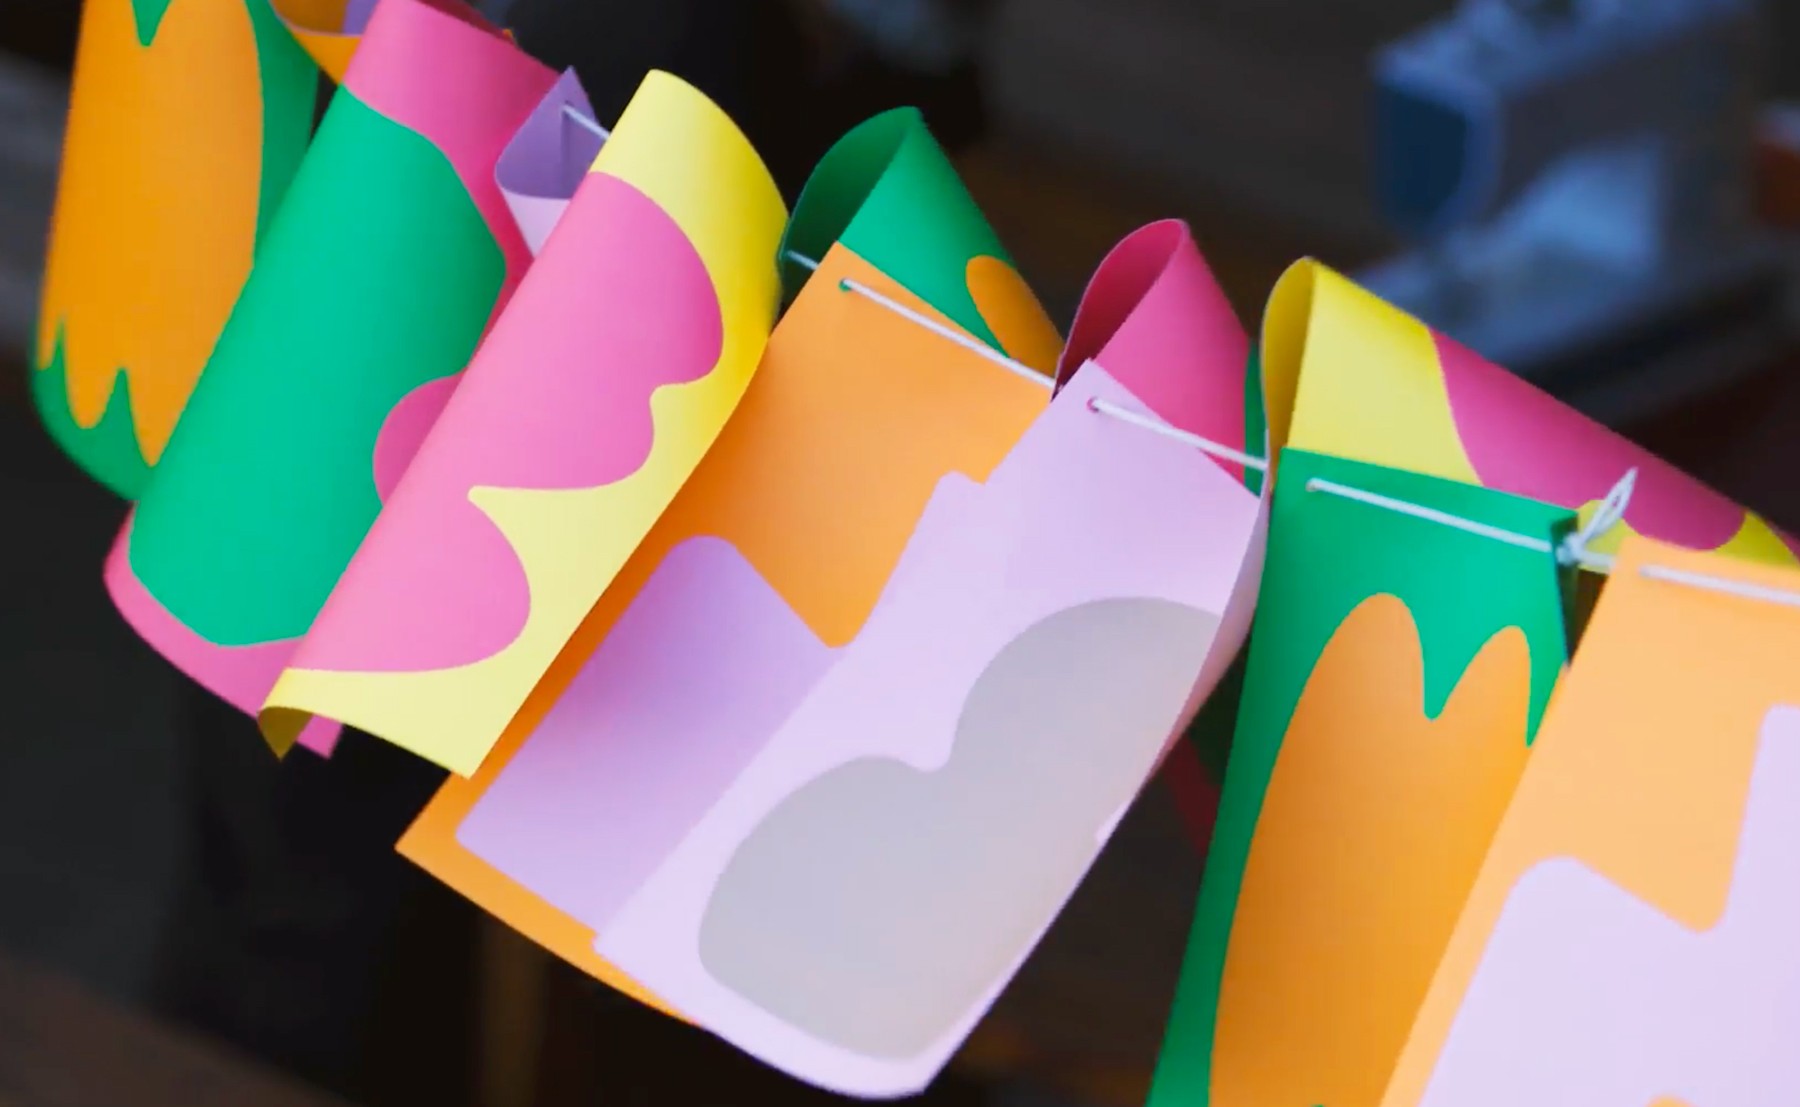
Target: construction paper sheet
915 824
787 531
1398 670
1349 375
1630 937
372 287
187 119
544 164
607 379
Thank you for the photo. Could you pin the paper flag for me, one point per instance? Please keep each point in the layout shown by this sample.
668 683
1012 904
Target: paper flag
1351 376
1398 670
1630 938
187 119
629 762
787 532
545 163
607 379
372 287
915 824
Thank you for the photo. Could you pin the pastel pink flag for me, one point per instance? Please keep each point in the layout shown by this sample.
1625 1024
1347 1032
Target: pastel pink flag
1098 544
914 825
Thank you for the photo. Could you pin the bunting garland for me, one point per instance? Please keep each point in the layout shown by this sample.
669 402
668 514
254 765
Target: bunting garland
797 613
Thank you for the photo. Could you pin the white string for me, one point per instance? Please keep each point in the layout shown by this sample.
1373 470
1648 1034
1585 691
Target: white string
573 114
1430 515
1572 551
982 349
1608 515
1157 426
967 342
1726 585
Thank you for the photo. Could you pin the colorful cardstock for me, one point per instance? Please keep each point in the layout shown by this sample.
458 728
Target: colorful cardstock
577 828
612 371
811 493
1399 667
1629 938
916 822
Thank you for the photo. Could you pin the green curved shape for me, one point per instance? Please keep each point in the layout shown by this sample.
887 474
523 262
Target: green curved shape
378 275
290 83
1326 556
887 191
148 15
108 450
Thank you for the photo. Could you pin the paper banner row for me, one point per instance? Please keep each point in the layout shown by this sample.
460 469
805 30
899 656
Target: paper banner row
797 612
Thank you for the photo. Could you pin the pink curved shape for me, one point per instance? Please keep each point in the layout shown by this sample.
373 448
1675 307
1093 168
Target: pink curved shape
438 68
558 397
1158 323
1522 441
404 431
1589 997
239 675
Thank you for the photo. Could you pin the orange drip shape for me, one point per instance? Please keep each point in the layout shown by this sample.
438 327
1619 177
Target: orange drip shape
156 212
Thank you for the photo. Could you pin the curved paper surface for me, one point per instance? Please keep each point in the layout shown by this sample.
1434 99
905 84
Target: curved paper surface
607 379
789 529
545 163
1154 310
866 194
1399 670
919 818
372 287
1629 938
186 122
1351 376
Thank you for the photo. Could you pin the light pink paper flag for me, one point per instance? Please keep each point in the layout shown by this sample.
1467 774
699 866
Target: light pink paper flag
870 881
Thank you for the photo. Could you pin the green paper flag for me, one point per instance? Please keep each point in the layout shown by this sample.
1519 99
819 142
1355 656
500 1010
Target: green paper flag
1398 669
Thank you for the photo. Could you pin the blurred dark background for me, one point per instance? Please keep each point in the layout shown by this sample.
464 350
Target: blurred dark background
181 920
